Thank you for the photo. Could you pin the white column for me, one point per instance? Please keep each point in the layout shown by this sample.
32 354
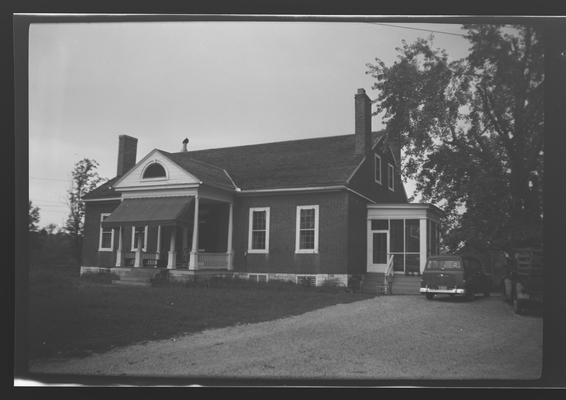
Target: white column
229 241
185 242
193 261
137 260
119 260
423 241
158 247
172 261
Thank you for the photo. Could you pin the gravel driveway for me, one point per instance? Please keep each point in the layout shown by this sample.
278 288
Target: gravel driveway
386 337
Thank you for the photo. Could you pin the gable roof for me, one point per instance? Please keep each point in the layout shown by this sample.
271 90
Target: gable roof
312 162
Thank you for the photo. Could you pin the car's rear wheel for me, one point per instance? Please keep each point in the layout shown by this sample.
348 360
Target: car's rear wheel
430 296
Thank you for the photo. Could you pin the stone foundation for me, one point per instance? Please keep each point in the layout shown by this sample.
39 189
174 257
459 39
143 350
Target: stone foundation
183 275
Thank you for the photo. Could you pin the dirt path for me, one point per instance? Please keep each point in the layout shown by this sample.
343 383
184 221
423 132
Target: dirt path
386 337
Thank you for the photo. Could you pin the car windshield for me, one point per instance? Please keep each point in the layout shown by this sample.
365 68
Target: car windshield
437 265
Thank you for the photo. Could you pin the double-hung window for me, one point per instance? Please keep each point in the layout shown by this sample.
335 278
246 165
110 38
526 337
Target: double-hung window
390 177
306 239
139 231
106 239
258 239
377 169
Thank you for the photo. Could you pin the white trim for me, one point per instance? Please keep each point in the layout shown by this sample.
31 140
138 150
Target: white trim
297 189
377 156
364 158
161 187
155 178
359 194
310 189
144 248
250 231
298 226
231 180
392 182
106 199
100 248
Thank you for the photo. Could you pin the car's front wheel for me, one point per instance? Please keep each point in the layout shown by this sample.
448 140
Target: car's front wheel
430 296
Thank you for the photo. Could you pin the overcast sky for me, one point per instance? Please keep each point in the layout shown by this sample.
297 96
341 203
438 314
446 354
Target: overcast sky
218 83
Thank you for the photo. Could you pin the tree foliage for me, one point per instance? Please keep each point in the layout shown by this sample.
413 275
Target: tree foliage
472 131
33 217
84 179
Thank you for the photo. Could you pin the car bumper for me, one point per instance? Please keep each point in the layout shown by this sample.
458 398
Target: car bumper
442 291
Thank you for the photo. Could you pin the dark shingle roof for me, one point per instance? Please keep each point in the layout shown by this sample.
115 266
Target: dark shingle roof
295 163
206 172
103 191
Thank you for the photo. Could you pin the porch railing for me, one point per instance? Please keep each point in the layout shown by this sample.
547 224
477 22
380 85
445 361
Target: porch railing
147 259
213 260
389 275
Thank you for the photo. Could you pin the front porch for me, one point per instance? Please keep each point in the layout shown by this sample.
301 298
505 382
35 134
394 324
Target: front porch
188 233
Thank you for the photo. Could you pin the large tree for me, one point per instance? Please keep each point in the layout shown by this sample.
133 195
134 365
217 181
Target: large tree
84 179
472 131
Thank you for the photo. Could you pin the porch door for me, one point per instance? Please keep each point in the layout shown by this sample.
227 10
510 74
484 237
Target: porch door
379 247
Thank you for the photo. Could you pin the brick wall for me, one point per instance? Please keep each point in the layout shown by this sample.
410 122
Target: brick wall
332 257
357 234
90 254
364 182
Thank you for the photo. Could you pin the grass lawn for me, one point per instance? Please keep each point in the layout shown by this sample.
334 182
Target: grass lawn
70 316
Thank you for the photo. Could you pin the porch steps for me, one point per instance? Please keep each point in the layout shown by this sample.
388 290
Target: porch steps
406 285
373 283
137 277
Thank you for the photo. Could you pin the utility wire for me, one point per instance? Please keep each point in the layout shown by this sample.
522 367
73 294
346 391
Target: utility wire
417 29
49 179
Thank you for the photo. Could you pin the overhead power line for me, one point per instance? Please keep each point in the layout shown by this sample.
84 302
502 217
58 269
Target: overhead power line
417 29
49 179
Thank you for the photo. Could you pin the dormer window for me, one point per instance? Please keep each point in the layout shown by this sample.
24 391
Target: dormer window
154 170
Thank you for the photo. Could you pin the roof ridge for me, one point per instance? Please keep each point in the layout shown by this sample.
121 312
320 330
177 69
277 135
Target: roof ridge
382 131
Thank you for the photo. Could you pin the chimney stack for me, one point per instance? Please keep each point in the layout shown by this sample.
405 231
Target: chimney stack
127 148
185 142
362 122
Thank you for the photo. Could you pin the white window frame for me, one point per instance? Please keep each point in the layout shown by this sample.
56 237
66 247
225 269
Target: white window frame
298 230
391 182
250 230
134 245
100 248
377 159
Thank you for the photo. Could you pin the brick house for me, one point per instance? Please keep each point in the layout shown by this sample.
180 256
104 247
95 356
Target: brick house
328 209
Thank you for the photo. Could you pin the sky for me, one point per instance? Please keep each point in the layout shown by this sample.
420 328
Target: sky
218 84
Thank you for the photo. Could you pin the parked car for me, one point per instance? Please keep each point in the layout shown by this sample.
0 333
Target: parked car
455 275
523 282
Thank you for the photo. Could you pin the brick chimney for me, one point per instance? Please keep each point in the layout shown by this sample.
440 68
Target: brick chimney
127 148
362 122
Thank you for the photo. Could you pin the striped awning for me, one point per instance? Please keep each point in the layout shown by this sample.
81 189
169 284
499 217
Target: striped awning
151 211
